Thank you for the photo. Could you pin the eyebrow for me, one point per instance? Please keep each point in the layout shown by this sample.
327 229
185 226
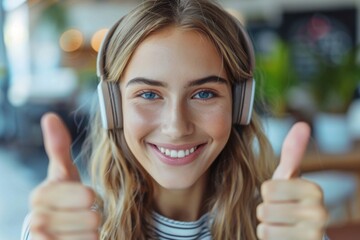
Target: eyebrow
209 79
197 82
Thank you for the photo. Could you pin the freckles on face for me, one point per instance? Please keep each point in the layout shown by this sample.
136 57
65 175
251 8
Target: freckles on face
176 101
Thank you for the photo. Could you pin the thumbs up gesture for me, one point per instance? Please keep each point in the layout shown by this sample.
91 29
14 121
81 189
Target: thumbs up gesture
61 205
292 208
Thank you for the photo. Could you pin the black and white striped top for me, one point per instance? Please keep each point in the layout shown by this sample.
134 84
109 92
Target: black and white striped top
166 229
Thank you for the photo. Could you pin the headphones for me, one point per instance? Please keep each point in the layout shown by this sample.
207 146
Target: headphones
110 97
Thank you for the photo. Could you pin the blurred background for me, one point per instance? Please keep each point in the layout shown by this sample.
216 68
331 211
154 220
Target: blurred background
308 68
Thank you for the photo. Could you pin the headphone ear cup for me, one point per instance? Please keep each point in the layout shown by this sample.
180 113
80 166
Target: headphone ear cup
243 100
110 104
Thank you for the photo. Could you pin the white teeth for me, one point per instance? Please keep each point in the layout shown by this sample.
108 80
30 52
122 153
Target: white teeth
176 153
173 153
181 154
167 152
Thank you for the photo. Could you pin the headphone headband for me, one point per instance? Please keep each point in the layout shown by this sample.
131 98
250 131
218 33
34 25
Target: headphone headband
101 57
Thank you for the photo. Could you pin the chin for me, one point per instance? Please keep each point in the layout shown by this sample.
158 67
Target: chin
173 182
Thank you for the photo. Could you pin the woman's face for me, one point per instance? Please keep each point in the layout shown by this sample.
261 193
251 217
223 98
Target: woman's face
176 106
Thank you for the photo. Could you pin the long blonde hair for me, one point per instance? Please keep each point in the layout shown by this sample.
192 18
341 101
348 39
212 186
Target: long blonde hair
125 190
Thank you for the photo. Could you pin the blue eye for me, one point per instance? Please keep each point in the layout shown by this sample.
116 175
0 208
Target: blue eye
149 95
204 95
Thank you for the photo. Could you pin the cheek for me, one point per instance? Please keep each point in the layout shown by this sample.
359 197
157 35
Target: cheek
138 121
220 129
217 122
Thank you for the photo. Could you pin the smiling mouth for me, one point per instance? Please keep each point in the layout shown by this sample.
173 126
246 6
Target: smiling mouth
176 153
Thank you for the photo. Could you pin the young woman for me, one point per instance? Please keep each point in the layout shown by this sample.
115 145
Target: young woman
179 157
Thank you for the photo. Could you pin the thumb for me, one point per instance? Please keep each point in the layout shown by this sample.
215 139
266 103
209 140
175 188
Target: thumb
57 143
292 152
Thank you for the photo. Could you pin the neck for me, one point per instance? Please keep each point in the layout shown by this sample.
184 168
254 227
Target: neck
182 204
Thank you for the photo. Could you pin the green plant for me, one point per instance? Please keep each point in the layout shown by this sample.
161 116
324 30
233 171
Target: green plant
334 84
275 75
56 13
2 73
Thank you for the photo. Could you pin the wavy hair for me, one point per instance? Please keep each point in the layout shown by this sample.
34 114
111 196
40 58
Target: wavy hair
125 190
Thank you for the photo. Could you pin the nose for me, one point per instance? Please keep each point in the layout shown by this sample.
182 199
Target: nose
176 120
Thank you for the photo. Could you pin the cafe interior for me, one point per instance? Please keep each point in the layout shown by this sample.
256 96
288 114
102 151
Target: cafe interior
307 69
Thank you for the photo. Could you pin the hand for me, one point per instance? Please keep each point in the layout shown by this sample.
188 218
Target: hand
293 208
61 205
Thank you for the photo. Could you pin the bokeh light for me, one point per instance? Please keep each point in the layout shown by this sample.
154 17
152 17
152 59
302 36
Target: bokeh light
71 40
97 38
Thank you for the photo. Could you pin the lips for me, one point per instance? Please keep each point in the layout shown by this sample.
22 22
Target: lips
177 155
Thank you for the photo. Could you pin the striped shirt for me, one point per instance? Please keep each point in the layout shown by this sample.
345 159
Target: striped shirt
168 229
